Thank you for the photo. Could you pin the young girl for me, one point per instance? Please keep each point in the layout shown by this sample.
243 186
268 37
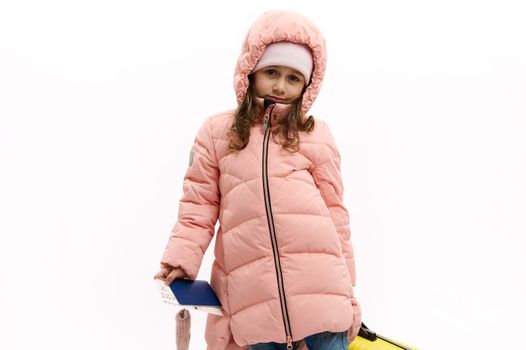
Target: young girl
284 268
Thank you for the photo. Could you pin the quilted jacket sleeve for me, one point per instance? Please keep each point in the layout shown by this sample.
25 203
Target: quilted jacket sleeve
198 207
327 175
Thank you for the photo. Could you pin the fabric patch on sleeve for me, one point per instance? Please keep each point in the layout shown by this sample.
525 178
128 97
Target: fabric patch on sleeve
191 159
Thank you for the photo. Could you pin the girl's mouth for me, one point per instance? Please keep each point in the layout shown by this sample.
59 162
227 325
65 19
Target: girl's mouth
276 99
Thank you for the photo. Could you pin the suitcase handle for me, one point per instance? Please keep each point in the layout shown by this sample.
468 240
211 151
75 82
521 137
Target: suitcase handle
366 333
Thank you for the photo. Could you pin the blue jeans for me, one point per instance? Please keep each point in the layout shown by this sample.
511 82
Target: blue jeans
318 341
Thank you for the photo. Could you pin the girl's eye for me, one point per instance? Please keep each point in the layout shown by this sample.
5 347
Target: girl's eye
294 78
271 72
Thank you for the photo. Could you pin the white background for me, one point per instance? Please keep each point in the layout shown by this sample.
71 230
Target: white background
99 105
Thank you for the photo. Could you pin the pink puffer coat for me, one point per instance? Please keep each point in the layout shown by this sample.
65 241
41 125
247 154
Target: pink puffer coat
284 266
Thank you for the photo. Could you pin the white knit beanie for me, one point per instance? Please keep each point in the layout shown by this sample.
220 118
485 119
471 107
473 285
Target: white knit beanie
286 53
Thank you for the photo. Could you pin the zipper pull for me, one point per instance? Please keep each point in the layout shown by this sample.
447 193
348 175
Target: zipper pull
265 123
289 342
269 106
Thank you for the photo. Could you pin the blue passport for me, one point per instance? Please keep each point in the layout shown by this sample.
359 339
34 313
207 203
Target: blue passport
197 294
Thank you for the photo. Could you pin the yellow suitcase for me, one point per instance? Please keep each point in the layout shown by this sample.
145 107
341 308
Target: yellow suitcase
369 340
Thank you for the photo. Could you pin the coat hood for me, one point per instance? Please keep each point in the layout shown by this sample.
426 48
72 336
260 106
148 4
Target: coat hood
281 25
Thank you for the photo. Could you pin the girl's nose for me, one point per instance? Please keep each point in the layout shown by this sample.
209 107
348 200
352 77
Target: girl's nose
278 87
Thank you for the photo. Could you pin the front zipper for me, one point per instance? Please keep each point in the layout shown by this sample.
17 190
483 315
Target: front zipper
270 220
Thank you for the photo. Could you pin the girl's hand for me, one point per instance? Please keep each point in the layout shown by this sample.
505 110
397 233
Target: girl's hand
168 274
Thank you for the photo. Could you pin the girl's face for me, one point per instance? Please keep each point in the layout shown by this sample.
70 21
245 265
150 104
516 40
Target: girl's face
279 83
